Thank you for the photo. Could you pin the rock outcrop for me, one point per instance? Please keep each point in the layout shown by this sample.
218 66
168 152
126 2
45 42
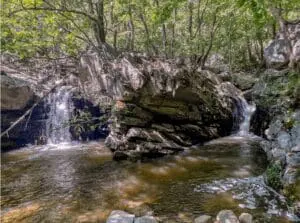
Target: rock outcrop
16 97
277 119
159 106
16 94
285 49
277 97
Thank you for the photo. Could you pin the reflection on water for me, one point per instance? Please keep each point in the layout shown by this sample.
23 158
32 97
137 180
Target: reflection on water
81 183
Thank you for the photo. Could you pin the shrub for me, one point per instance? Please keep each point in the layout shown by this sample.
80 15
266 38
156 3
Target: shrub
273 175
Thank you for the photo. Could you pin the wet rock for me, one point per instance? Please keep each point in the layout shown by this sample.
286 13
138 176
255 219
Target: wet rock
145 219
227 216
203 219
246 218
120 217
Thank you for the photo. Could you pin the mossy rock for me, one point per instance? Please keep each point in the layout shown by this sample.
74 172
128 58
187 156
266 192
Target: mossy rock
292 192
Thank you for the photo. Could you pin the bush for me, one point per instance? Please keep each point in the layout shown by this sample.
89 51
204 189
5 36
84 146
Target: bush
273 175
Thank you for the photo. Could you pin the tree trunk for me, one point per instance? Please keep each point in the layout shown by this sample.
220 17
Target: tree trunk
163 31
112 19
99 26
190 19
148 43
130 43
164 39
212 35
173 33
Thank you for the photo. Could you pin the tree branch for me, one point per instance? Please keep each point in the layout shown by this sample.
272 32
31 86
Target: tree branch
53 10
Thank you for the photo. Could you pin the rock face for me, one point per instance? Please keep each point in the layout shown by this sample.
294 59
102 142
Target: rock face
159 106
278 118
15 94
16 97
285 48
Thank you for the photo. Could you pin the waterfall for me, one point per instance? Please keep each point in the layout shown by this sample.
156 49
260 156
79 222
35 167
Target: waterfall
246 110
61 107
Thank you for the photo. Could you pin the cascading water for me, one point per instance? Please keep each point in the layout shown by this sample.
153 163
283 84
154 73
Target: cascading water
246 111
57 128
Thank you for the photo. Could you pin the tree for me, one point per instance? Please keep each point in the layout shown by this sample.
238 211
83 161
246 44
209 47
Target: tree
238 30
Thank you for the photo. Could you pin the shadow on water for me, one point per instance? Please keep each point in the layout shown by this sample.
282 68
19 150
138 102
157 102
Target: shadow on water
83 184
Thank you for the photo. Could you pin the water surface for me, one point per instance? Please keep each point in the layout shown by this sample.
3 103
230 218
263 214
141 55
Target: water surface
81 183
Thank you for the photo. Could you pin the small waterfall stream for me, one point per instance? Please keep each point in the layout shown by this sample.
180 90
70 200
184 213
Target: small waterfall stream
61 107
247 112
244 113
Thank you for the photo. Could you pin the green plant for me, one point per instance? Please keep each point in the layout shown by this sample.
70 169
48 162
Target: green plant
273 175
83 121
292 192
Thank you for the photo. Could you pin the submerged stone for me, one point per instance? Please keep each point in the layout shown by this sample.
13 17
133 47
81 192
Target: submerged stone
246 218
120 217
227 216
203 219
145 219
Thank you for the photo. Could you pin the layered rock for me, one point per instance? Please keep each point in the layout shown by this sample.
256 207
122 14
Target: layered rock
159 106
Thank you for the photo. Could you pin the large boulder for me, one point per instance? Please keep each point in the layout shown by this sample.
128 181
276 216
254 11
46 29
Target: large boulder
278 52
16 94
16 97
159 106
285 49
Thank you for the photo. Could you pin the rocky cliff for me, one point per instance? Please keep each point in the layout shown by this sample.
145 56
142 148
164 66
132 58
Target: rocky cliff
277 96
159 106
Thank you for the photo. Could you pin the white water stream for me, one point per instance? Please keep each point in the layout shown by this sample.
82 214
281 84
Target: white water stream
61 107
247 110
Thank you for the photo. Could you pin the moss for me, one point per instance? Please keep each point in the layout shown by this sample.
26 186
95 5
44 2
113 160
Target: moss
293 84
273 175
289 123
292 192
220 202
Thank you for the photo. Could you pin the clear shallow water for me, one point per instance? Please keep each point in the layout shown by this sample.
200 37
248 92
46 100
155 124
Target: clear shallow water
81 183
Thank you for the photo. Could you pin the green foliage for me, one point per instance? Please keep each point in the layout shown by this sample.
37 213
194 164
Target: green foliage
273 175
293 86
83 121
237 29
